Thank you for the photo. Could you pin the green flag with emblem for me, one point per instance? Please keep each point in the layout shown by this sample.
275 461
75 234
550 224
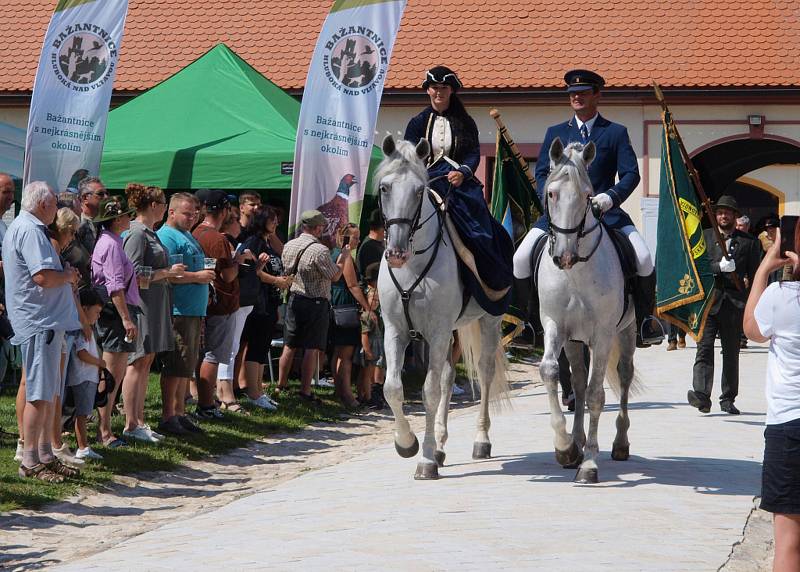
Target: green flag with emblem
685 282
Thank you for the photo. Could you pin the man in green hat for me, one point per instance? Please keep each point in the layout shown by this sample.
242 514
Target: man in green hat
727 311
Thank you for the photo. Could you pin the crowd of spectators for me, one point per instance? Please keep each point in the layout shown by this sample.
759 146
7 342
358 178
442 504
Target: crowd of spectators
101 290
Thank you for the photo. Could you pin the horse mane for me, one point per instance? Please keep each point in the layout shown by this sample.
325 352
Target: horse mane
572 163
404 157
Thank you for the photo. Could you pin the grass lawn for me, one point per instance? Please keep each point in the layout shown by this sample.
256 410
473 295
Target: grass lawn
220 437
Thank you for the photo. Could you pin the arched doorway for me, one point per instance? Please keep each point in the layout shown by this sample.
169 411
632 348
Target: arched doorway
723 164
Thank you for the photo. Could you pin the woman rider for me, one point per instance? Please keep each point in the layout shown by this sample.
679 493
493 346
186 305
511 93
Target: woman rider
454 157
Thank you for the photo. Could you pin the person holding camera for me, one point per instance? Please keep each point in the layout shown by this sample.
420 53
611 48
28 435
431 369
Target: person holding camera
725 316
772 315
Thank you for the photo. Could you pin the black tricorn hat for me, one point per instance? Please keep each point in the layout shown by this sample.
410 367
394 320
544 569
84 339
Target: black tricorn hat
441 74
581 80
772 221
727 202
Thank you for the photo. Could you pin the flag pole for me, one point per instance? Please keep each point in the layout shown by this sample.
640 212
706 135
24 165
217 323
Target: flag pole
523 164
695 176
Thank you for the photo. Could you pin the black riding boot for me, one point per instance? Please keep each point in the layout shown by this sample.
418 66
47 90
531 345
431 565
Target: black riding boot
648 328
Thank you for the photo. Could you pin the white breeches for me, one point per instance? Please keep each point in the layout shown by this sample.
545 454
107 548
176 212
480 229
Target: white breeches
522 257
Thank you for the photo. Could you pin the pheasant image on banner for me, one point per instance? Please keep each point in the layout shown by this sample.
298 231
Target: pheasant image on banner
336 210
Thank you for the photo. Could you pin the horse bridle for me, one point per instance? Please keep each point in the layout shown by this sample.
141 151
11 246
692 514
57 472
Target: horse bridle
552 229
405 293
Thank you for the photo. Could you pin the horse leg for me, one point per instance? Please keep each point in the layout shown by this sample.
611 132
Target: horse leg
595 397
566 450
490 341
427 468
448 378
579 374
405 442
621 449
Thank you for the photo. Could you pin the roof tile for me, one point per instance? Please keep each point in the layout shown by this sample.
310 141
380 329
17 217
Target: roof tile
516 45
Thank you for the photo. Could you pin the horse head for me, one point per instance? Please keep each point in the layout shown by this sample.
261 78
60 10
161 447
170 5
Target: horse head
567 193
401 178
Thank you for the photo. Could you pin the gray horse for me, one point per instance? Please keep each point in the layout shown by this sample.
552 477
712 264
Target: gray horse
582 301
421 297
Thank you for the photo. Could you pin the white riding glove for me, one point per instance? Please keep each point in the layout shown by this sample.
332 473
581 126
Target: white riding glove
726 265
603 201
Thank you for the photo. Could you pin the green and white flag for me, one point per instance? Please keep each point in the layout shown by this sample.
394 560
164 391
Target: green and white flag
72 91
340 107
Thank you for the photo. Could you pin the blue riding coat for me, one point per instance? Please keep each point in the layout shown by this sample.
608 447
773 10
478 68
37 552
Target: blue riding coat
614 155
488 241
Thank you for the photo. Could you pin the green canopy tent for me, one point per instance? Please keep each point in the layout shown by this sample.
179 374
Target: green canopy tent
216 123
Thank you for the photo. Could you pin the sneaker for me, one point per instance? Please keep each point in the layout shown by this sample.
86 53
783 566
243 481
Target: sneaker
20 450
187 423
140 434
263 402
66 456
147 428
87 453
324 382
458 390
208 413
173 426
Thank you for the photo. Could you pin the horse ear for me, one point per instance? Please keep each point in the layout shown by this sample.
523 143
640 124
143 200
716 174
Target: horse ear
589 153
388 145
423 148
556 151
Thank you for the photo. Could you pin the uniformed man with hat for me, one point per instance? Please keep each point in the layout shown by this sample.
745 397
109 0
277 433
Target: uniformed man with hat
615 156
727 312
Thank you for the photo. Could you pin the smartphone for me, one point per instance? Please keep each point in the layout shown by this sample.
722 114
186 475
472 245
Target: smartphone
239 249
788 232
345 241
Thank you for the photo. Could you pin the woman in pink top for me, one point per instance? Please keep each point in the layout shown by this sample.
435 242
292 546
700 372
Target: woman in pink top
114 278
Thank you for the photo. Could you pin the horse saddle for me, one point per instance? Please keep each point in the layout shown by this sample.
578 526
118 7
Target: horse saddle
625 252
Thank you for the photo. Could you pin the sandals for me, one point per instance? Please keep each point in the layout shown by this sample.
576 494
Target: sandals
40 472
59 468
233 407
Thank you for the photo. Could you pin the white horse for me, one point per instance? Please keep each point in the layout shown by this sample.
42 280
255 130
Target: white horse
582 301
421 296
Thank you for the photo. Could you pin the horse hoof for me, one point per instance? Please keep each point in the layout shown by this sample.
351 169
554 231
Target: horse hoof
620 453
426 472
570 458
439 456
586 477
407 452
482 451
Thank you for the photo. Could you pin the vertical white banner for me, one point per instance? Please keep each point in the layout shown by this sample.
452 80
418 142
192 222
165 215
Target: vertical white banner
72 91
339 110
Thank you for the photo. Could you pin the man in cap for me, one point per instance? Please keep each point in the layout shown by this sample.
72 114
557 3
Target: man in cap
615 156
309 263
727 312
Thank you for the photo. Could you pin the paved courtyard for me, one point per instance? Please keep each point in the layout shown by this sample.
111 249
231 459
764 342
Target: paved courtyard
679 503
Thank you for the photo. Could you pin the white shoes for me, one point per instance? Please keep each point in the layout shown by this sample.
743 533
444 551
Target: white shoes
323 382
20 449
158 436
264 402
142 433
66 456
88 453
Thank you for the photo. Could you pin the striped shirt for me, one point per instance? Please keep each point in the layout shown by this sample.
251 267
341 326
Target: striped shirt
315 271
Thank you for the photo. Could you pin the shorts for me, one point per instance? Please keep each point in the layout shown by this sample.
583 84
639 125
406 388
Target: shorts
306 323
257 336
111 332
780 474
344 336
182 360
219 338
41 362
83 396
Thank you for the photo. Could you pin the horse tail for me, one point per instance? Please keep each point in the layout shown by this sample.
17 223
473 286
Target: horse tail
470 339
612 373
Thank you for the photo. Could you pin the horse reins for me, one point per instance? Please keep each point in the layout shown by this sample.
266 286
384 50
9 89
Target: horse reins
579 229
405 294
